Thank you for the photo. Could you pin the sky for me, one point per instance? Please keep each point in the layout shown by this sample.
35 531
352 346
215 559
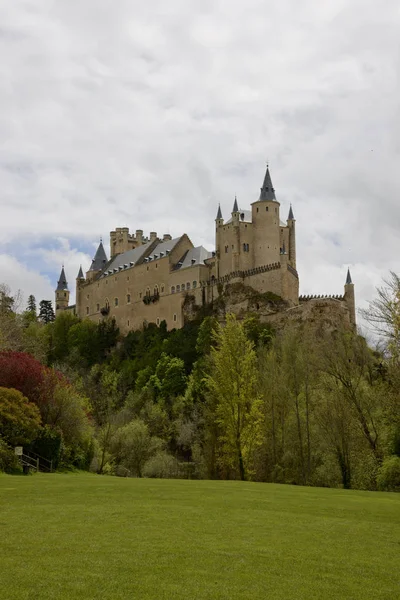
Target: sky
147 115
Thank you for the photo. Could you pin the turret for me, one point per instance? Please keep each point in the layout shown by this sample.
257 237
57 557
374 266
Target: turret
219 223
235 211
62 292
349 298
266 228
98 263
291 223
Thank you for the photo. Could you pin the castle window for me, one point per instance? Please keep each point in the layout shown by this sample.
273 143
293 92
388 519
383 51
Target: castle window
128 322
156 265
128 298
226 249
140 295
162 289
148 292
147 268
173 290
57 307
87 310
244 247
257 209
65 295
158 320
156 292
266 208
194 284
127 278
276 210
178 288
115 301
97 307
115 279
174 317
188 286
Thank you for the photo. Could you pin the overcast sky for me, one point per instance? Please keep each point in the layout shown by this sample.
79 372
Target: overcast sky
147 115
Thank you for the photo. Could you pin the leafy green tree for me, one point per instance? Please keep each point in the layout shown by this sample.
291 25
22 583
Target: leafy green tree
133 445
233 387
19 419
59 349
46 312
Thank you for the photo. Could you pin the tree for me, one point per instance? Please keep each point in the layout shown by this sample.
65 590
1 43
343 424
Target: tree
133 445
233 388
22 372
46 312
19 418
383 313
31 305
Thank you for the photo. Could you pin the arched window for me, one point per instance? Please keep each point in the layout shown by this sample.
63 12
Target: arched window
156 292
148 292
188 286
194 284
158 320
107 303
97 307
178 288
128 298
174 317
115 301
173 290
162 289
87 310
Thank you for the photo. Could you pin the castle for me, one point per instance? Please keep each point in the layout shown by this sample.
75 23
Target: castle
149 279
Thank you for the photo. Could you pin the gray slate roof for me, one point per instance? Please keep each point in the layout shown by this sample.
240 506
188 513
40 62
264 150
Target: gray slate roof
246 216
80 273
193 257
348 278
132 257
235 206
290 217
62 284
219 213
267 190
124 260
100 259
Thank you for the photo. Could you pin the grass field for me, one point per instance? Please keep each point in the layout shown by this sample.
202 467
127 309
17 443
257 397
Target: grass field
91 537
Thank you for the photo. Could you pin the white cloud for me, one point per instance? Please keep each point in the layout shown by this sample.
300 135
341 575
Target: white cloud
148 115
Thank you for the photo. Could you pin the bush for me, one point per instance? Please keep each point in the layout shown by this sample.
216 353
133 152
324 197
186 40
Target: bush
162 466
9 463
389 475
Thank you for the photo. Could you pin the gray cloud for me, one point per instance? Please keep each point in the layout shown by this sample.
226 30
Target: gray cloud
149 115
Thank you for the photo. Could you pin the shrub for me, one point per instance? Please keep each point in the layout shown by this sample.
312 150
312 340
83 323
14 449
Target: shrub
8 461
162 466
389 475
19 418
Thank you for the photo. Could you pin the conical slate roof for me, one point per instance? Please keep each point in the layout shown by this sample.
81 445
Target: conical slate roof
267 190
291 216
62 284
100 259
80 273
235 206
348 278
219 213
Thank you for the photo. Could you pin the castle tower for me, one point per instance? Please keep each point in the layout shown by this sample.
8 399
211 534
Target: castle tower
349 298
291 223
219 223
98 263
62 293
236 236
266 228
80 280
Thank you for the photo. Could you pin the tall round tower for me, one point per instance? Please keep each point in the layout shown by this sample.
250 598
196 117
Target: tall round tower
265 219
62 292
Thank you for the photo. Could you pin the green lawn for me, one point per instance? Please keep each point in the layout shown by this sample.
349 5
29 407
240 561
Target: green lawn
87 536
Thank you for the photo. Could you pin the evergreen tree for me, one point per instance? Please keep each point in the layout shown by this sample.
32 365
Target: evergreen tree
31 306
46 312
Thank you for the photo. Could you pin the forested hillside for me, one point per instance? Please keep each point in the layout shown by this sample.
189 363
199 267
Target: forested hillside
230 401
